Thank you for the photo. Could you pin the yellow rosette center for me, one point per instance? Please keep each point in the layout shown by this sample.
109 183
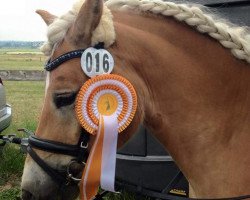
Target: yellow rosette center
107 104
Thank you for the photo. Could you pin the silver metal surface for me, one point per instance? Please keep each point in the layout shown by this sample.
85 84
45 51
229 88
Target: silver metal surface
144 159
2 97
6 119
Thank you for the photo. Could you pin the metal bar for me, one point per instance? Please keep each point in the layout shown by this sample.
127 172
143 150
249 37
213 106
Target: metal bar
145 159
228 4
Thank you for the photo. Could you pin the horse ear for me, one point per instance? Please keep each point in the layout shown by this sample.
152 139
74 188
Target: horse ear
86 22
46 16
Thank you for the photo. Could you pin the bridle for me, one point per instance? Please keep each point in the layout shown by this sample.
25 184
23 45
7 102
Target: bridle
79 152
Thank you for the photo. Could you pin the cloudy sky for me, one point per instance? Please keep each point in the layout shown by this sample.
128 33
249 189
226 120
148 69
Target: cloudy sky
18 20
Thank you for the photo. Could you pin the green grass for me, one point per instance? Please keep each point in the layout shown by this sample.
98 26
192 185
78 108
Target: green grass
21 59
26 100
10 194
11 169
19 50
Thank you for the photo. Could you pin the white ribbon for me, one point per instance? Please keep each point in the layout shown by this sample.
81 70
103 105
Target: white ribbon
109 153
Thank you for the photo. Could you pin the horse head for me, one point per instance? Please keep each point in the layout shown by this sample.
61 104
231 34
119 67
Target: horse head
58 122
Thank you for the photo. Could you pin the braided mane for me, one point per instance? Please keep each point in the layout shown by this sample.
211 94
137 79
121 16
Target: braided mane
237 39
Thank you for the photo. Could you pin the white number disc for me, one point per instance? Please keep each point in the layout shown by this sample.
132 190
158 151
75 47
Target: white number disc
97 62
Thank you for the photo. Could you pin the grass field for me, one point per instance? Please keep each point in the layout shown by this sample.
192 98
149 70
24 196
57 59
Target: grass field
21 59
26 101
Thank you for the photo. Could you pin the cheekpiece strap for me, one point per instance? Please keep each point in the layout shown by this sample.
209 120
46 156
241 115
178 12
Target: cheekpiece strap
51 65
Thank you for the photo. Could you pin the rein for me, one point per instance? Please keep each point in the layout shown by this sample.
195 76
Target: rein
80 154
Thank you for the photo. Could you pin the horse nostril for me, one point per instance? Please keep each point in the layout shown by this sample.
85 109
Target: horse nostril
26 195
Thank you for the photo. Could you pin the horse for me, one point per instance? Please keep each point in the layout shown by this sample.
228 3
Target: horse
192 77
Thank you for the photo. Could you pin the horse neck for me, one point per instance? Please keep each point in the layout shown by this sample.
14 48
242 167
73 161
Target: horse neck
195 96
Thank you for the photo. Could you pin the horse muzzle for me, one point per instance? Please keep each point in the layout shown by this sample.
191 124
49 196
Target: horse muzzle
41 181
37 190
70 193
27 195
37 185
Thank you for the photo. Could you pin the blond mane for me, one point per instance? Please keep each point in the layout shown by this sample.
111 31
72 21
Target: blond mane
237 39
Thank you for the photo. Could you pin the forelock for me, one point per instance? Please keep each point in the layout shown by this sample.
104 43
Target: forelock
57 30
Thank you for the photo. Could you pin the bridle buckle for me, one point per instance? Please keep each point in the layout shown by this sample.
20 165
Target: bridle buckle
84 146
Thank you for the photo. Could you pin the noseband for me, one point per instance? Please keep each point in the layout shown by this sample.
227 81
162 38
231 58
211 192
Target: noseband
78 152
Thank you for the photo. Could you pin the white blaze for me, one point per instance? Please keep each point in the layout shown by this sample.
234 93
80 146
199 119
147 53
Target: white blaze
47 82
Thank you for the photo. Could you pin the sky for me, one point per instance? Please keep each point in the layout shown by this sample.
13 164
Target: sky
18 20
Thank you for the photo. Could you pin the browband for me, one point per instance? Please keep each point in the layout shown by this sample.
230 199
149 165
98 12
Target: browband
51 65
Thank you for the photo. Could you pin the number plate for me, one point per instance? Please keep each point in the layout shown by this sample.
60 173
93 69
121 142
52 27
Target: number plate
97 62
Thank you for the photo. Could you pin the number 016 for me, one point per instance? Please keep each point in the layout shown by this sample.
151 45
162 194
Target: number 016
97 62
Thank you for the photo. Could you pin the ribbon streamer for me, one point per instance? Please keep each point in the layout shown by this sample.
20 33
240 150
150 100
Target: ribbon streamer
92 171
106 103
109 152
100 167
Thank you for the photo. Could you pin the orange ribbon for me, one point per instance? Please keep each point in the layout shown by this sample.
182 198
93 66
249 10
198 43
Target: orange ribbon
92 171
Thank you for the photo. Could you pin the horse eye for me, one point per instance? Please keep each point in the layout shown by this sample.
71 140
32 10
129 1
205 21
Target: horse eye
64 99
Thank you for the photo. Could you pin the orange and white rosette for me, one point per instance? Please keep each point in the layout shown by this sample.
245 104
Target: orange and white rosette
106 103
